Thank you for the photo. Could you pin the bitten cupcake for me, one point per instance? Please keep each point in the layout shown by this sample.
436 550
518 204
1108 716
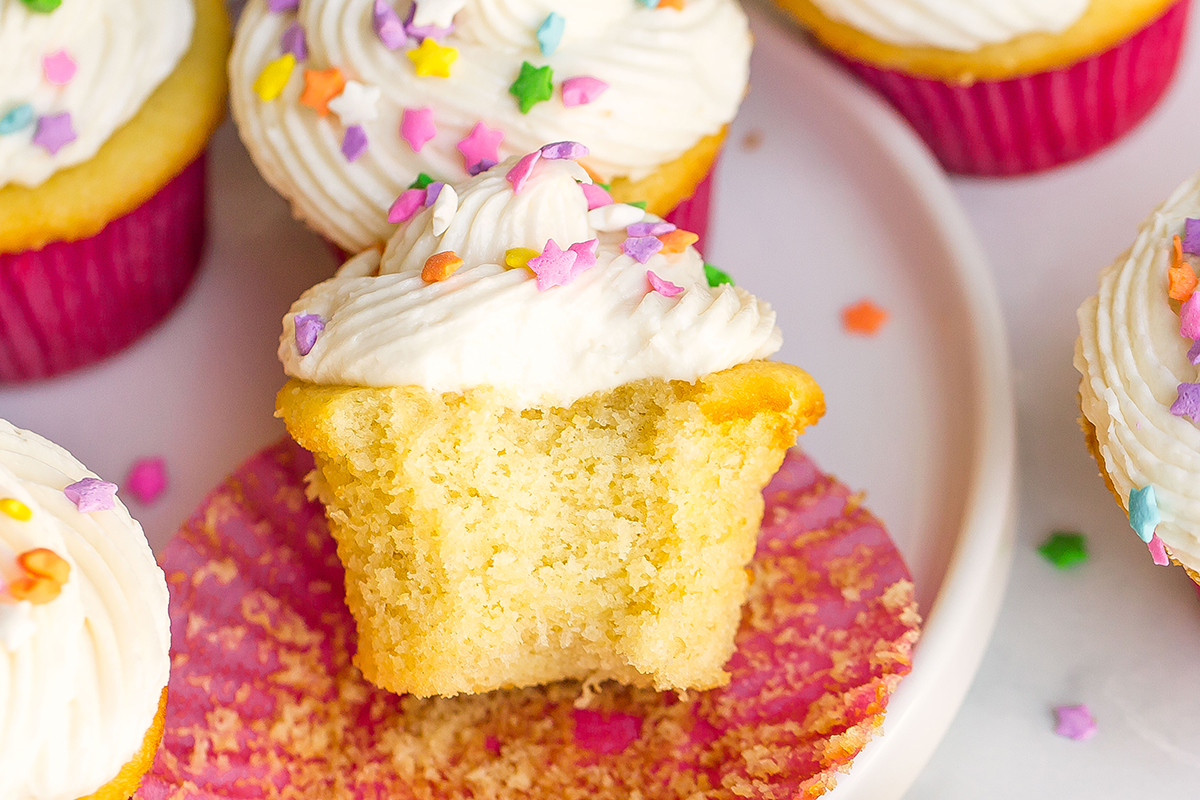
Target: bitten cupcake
541 438
105 110
1001 87
84 632
1140 391
346 104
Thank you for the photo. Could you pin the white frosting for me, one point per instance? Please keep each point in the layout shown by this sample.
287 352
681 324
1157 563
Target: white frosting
78 695
490 326
674 76
954 24
1133 359
123 50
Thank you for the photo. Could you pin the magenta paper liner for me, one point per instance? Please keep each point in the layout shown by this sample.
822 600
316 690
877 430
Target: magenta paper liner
692 213
1037 122
264 702
73 303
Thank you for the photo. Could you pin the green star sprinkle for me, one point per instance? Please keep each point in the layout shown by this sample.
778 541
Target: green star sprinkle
44 6
716 277
421 182
639 204
534 85
1065 549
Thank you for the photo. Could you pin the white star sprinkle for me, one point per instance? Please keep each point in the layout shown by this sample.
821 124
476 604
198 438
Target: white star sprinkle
356 104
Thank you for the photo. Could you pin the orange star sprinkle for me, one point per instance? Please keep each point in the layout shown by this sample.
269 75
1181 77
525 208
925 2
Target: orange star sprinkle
321 86
675 4
1181 278
864 318
677 240
45 571
440 266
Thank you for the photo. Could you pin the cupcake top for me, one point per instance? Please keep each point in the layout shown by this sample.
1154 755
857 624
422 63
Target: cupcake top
83 625
953 24
75 71
529 279
1138 357
343 103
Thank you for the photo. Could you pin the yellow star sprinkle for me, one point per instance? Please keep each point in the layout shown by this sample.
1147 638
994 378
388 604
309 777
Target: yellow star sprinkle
15 509
274 77
431 59
519 257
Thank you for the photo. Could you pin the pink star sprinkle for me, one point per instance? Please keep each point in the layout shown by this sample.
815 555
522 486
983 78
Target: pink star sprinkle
54 132
407 204
59 68
521 171
277 6
581 90
641 248
147 479
663 287
481 144
585 255
1189 317
92 494
553 267
597 197
605 733
388 26
1075 722
563 150
1158 551
416 127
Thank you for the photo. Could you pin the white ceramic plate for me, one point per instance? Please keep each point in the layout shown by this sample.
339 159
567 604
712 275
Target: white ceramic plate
838 202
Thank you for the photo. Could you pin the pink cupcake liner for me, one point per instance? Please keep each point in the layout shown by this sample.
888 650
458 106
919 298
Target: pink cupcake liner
264 702
692 213
1036 122
72 303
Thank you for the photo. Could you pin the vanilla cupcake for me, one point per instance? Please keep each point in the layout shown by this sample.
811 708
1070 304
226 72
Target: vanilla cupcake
541 438
345 104
84 631
1000 87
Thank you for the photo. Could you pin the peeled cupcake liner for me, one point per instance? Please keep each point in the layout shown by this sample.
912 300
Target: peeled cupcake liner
693 213
70 304
1036 122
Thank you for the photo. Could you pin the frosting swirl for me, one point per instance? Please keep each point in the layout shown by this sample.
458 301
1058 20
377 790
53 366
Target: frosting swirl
81 686
962 25
1132 359
486 325
674 76
105 58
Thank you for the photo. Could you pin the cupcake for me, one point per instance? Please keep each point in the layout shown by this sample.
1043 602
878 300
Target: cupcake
1140 390
105 111
346 104
84 633
541 438
1003 87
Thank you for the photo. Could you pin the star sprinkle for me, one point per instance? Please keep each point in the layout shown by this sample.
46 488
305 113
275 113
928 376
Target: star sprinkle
585 256
649 3
407 204
444 209
553 266
354 143
614 217
864 318
716 277
12 507
421 32
518 257
422 181
481 166
1075 722
520 172
279 6
550 32
1187 401
677 241
433 60
1181 278
42 6
1189 318
321 86
45 574
1143 512
17 119
54 132
481 144
595 195
92 494
1065 549
534 85
294 41
581 90
270 82
640 229
417 127
436 12
1193 354
358 103
147 479
641 248
432 192
1158 551
440 266
59 68
1191 236
678 5
663 287
388 26
559 151
308 329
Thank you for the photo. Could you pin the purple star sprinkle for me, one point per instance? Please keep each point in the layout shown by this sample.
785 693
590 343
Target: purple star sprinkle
561 150
92 494
388 26
294 41
554 267
639 229
1187 404
481 166
1191 236
432 192
308 328
1194 357
1075 722
423 32
354 143
641 248
54 132
278 6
